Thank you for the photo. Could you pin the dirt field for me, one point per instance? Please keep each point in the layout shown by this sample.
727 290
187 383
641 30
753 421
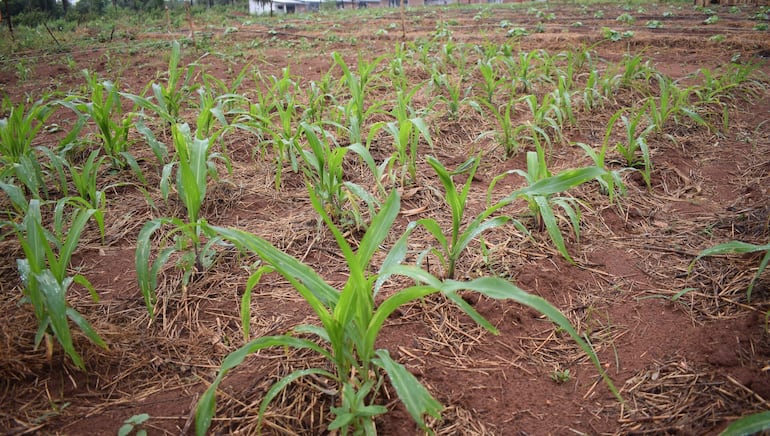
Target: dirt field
686 349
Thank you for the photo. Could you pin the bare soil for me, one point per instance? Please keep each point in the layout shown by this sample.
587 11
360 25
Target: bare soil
685 362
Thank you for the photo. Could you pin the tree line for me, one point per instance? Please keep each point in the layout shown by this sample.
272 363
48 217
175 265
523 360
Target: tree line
33 12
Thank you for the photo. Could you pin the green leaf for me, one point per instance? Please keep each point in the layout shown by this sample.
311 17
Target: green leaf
246 299
560 182
378 229
410 391
391 304
205 409
738 247
732 247
312 287
748 425
81 322
147 280
544 207
497 288
125 429
18 199
278 386
56 309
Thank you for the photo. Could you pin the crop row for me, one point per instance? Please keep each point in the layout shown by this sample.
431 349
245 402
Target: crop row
179 129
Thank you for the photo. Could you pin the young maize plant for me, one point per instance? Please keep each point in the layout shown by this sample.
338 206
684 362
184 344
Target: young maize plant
194 167
168 98
635 141
507 133
355 111
322 165
44 277
405 131
671 102
104 108
84 178
451 248
456 94
611 182
350 323
491 78
218 103
539 194
18 161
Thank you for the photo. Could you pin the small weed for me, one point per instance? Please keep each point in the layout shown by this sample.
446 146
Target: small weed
561 376
23 71
132 424
654 24
517 32
717 38
761 27
712 19
625 18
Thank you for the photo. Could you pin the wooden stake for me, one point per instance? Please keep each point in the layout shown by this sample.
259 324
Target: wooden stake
54 38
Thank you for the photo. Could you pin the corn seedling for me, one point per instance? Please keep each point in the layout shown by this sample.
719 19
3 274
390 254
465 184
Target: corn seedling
104 108
491 79
169 97
456 95
217 103
739 247
355 111
635 142
84 179
451 248
17 156
406 131
671 103
44 276
322 166
591 95
19 129
351 322
547 118
539 194
635 69
718 89
611 182
284 137
507 134
562 101
319 96
520 70
456 55
195 165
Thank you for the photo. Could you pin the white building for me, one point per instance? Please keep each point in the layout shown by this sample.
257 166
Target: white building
257 7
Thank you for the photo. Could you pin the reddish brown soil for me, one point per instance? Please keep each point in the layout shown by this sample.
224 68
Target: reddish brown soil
684 365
